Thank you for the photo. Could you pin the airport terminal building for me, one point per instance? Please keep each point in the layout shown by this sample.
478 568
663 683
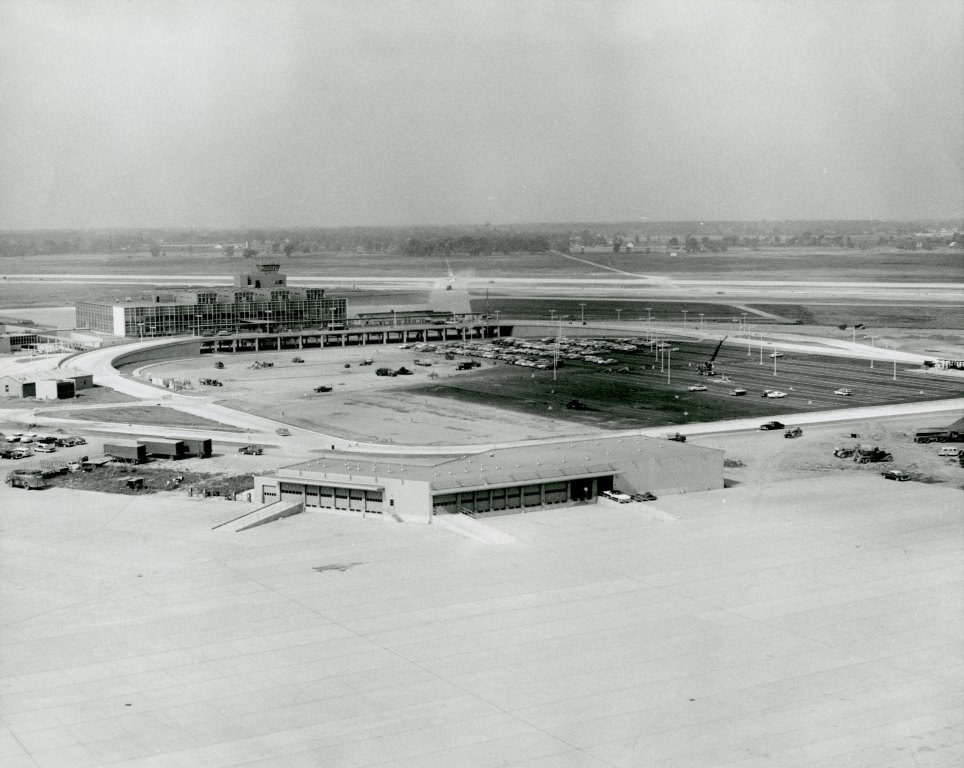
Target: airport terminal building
260 300
498 481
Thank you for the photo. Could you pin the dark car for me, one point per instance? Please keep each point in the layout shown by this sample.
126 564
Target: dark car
772 425
895 474
251 450
642 496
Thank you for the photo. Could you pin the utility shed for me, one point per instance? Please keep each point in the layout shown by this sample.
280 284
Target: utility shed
164 448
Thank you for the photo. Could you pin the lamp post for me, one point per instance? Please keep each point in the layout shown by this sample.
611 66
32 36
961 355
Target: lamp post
874 349
895 363
749 341
669 364
761 347
774 362
552 315
582 310
685 313
498 328
649 323
701 322
744 322
618 311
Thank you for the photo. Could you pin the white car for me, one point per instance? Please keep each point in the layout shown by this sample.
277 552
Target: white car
843 391
44 448
776 354
616 496
776 395
696 388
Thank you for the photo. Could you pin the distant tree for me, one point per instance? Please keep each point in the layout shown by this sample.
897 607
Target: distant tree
289 248
229 250
692 245
249 253
155 251
617 244
674 242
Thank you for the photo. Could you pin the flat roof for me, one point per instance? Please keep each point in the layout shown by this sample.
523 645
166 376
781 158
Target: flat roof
798 628
545 461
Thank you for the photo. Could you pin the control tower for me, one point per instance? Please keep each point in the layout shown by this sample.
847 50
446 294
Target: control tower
264 276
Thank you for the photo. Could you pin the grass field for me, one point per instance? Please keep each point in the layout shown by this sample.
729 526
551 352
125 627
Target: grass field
150 414
738 264
645 396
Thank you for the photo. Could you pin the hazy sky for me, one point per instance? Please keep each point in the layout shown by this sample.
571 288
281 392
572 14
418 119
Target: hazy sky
257 113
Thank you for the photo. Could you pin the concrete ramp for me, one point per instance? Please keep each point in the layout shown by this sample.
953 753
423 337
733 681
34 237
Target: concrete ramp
266 514
472 528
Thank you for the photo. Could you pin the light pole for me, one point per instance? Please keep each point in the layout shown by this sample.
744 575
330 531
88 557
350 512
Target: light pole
582 310
701 322
895 363
649 323
649 314
498 328
618 311
749 341
555 351
669 364
685 313
774 362
394 318
761 348
552 315
874 349
744 322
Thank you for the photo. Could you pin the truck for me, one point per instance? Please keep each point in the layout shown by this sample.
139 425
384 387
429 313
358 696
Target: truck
938 435
163 448
793 432
866 454
27 479
130 451
676 437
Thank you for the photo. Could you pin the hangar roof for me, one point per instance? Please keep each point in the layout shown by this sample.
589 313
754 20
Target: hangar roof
542 461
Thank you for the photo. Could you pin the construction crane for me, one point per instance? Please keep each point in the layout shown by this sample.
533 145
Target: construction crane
706 369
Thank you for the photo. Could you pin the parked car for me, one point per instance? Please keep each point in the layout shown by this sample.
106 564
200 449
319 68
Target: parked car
283 431
895 474
322 388
843 391
647 496
776 394
696 388
737 392
621 498
793 432
251 450
44 448
776 354
772 425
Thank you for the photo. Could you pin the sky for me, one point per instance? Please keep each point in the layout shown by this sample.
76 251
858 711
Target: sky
236 113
